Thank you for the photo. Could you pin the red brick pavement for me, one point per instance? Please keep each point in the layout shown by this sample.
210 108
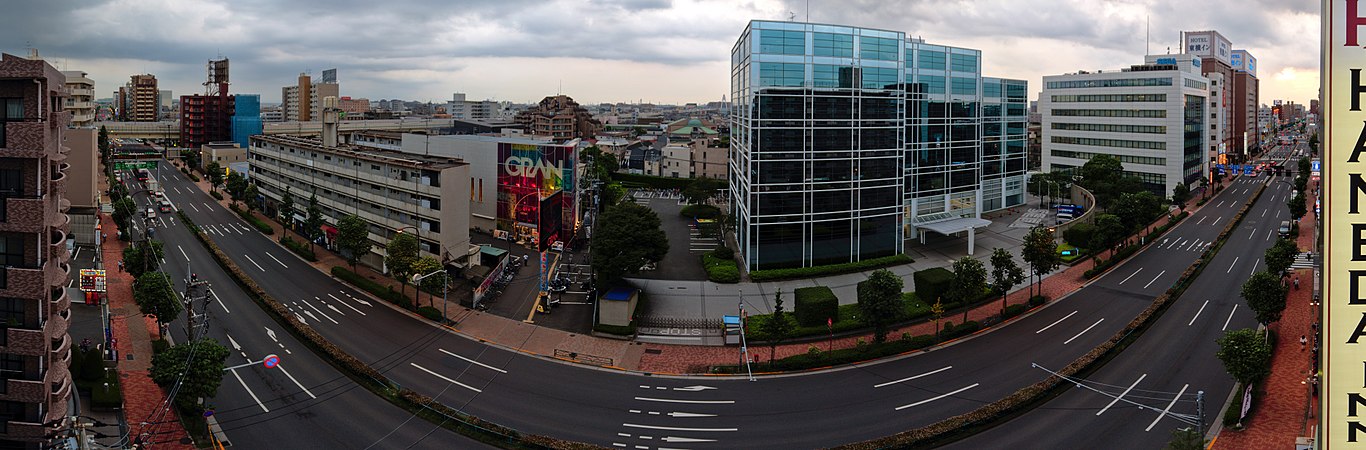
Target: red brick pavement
133 334
1284 413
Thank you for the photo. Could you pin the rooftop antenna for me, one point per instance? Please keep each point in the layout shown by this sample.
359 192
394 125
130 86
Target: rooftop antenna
1148 34
791 16
808 11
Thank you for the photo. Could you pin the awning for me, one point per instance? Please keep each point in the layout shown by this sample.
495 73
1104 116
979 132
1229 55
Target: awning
330 230
952 226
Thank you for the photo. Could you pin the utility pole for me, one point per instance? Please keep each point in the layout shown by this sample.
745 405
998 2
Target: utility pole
1200 412
195 289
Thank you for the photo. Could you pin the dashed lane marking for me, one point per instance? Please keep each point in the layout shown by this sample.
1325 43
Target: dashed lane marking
912 405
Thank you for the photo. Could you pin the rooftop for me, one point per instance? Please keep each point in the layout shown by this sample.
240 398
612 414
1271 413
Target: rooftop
366 153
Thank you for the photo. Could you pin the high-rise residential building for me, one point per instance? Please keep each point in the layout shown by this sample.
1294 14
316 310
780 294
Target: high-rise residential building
35 349
848 142
246 118
139 100
303 101
459 108
1246 138
208 118
1216 64
1151 117
81 103
559 117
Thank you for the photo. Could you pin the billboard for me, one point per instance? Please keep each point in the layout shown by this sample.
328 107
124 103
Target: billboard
1209 44
536 191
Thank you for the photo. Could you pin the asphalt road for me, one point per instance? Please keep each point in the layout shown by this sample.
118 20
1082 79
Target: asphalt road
1136 397
303 403
610 408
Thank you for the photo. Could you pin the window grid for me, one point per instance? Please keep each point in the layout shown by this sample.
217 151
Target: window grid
1111 98
1149 160
1118 82
882 49
963 63
1133 113
782 42
836 45
1111 128
1117 143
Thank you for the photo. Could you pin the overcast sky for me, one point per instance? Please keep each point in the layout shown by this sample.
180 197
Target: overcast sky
611 50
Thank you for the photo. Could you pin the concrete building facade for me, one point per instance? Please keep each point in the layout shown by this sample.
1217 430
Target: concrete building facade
560 118
461 109
35 349
81 103
139 100
303 100
1151 117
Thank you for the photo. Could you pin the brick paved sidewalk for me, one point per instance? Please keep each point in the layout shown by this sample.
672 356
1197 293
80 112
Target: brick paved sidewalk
1284 412
133 335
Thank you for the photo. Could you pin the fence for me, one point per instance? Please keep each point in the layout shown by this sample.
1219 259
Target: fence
676 322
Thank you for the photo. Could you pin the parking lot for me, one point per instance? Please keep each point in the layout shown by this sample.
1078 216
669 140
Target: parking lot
686 244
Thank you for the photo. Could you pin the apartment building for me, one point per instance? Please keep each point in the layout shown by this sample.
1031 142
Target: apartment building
35 349
681 158
847 142
559 117
81 102
461 109
1152 117
139 100
393 191
303 100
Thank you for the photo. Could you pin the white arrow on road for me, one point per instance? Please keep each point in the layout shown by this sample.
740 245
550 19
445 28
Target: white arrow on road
684 439
235 345
271 333
301 318
694 388
688 414
363 302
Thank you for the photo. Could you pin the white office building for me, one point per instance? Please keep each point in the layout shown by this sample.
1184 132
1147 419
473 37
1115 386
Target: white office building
1152 117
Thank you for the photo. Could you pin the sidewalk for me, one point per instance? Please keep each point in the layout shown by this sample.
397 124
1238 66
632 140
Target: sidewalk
133 336
1284 411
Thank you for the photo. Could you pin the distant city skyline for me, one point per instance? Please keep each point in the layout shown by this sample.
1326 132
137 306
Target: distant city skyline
655 51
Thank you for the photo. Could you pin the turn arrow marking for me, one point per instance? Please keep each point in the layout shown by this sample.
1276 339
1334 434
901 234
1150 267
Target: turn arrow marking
694 388
684 439
688 414
271 333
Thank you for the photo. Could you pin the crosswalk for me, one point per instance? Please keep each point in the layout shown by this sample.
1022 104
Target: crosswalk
224 229
1305 261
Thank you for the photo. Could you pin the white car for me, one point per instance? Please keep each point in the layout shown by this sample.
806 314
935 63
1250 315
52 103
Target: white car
557 246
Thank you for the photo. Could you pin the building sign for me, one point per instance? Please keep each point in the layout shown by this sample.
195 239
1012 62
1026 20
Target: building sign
1209 44
92 280
536 191
1344 272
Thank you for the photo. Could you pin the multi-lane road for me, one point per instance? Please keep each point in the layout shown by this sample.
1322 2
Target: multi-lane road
626 410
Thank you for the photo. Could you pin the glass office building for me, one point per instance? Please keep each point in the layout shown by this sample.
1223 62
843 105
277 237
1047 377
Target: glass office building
848 142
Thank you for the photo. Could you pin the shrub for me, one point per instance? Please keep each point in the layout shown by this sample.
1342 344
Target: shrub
1080 234
107 394
835 269
723 252
931 284
299 248
950 331
700 212
160 345
430 313
92 365
386 293
721 270
1037 300
193 177
215 195
813 305
1014 310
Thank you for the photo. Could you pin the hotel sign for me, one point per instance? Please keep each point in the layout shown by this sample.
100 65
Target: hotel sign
1344 169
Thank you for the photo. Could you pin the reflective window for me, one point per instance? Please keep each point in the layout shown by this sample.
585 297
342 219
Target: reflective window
782 42
828 76
963 63
829 44
882 49
781 74
880 78
931 60
964 86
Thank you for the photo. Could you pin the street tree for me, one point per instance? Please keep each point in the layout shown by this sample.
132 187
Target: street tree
141 257
1204 185
156 296
237 186
937 310
399 256
1297 206
1304 166
1040 251
124 211
1005 274
627 236
103 143
1280 256
1265 295
1109 231
353 238
197 367
969 280
879 302
700 191
1246 355
250 195
778 327
286 209
215 174
1136 209
432 284
1100 175
313 221
1180 194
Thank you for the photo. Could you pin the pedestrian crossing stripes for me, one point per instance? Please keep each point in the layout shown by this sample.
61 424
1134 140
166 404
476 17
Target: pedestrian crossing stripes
1304 261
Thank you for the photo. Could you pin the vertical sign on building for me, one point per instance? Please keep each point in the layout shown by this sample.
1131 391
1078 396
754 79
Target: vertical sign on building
1344 180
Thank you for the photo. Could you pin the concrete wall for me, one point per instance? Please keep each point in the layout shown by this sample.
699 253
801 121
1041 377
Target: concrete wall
84 159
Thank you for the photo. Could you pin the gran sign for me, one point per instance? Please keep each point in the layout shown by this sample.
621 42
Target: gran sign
521 166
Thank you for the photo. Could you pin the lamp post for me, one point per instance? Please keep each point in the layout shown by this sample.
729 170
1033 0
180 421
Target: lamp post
418 234
445 288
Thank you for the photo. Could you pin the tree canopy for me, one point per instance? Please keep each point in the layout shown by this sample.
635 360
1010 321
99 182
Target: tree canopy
215 174
778 327
1005 274
1280 256
627 237
400 254
141 257
200 361
156 296
1040 251
879 302
353 238
1246 355
1265 295
969 280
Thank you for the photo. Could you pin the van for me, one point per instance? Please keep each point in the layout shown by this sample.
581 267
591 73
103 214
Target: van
151 213
1284 230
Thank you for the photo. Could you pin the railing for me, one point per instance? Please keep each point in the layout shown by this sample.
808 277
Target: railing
677 322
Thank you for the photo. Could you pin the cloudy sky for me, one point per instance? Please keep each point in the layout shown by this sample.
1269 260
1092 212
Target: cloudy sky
611 50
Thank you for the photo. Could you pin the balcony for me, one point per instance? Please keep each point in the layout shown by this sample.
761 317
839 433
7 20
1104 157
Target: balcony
24 281
20 390
60 303
61 387
27 135
22 430
57 273
61 344
64 205
23 341
22 213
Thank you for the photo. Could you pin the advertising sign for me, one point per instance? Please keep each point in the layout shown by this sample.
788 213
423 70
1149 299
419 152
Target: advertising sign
536 191
1209 44
1344 224
92 280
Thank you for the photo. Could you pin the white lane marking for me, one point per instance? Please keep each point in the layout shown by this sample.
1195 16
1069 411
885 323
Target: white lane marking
296 382
363 302
1254 267
310 314
277 260
889 383
1202 219
471 361
1216 220
682 439
1140 269
253 262
699 430
443 377
1268 235
206 206
182 252
695 388
315 308
688 414
1056 322
1253 233
899 408
1230 266
1193 246
1263 213
176 189
1069 341
696 402
249 392
196 208
618 444
1150 283
1121 395
1197 313
220 301
1221 203
348 305
1169 408
1230 317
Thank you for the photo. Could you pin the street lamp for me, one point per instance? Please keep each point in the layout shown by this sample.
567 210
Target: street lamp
445 287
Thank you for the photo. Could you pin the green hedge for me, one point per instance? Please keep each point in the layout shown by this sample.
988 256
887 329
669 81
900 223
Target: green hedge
430 313
652 181
1037 300
215 195
950 331
847 320
814 305
107 394
246 215
299 248
932 283
1014 310
382 291
721 270
700 212
834 269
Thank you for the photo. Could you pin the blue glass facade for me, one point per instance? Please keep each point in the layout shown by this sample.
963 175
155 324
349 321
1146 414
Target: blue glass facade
246 118
843 137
